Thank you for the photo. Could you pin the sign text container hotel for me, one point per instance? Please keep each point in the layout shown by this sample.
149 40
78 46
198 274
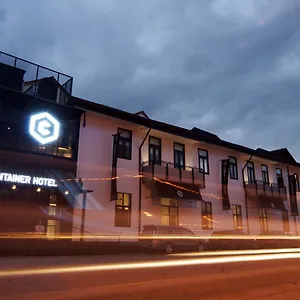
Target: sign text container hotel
25 179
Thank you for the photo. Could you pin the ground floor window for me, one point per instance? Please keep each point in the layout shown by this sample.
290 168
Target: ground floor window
53 229
263 219
285 221
237 217
207 222
169 212
123 210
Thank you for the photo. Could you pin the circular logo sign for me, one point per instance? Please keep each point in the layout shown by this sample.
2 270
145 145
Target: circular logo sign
180 193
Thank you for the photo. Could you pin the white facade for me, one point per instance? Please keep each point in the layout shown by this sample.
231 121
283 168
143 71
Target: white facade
95 169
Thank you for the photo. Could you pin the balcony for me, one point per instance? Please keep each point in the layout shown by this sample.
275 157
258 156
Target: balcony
259 188
27 77
167 171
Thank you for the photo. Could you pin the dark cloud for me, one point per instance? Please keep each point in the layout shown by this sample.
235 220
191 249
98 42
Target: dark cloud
227 66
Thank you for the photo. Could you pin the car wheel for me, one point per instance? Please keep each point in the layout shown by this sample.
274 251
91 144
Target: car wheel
168 249
200 248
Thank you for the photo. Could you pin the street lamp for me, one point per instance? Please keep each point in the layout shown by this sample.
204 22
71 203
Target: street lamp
84 192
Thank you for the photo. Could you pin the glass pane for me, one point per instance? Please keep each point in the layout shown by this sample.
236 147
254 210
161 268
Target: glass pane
165 201
278 171
127 199
178 147
164 210
250 165
165 220
264 168
125 133
232 160
173 211
154 141
203 153
234 209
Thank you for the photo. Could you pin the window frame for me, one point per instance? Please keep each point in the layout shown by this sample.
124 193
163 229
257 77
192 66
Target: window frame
205 158
160 149
118 223
208 223
285 221
172 205
231 165
263 219
265 172
237 218
251 168
174 151
125 139
281 173
297 182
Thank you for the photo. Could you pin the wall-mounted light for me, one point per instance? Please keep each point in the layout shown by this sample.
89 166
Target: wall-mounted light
8 128
14 187
38 190
66 192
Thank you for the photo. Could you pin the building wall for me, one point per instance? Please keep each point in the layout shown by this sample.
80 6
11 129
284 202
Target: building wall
94 167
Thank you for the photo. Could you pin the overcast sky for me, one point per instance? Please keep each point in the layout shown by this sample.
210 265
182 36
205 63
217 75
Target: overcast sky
227 66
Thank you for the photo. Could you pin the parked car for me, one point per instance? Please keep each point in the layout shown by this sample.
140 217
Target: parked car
170 239
220 240
270 240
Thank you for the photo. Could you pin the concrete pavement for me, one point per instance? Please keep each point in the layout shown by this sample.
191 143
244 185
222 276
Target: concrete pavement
270 280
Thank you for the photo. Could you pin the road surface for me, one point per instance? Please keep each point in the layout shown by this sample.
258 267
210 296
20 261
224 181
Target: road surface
259 280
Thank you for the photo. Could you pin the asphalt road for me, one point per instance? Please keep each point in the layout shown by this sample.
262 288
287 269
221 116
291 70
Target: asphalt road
267 280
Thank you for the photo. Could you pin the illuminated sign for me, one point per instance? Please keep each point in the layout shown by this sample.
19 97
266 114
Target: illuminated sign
25 179
44 128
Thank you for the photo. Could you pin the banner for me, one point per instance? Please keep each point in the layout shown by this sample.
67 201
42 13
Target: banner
224 180
114 190
293 195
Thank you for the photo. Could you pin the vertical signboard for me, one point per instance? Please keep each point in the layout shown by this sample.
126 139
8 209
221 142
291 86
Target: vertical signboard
114 190
293 195
224 179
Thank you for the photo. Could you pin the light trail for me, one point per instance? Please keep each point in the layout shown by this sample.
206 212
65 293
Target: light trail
32 235
239 252
152 264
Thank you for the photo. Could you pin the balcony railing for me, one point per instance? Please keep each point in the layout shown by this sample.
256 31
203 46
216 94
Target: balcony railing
259 188
30 81
167 171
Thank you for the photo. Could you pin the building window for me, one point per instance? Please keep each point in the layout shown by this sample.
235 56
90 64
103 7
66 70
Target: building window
179 156
123 210
265 174
285 221
154 150
250 172
263 219
297 182
203 161
169 212
207 222
125 143
279 177
237 217
233 170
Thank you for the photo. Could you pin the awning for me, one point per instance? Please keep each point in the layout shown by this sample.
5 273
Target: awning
271 202
176 190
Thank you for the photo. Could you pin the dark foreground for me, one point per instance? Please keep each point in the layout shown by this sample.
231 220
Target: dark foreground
268 280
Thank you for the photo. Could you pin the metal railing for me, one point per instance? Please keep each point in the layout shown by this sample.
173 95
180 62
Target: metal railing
167 170
35 72
260 187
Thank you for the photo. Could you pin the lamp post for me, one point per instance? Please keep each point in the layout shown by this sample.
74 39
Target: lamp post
83 192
